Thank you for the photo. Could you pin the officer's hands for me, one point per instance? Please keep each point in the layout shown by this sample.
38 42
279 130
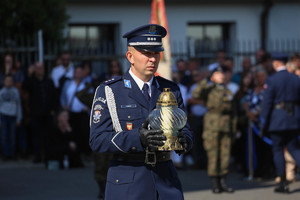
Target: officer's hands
183 141
151 138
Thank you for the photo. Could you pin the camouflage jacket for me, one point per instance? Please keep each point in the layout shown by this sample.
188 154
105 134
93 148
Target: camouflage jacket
219 102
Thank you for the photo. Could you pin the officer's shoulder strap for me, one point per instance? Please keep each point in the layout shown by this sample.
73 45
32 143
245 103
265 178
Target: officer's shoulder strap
112 80
161 79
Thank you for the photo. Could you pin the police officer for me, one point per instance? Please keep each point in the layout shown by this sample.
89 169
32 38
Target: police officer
218 123
119 126
280 116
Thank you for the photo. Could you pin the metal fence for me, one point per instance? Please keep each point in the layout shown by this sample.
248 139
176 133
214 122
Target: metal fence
206 51
28 49
24 47
99 55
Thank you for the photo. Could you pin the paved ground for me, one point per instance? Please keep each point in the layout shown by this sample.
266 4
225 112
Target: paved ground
23 181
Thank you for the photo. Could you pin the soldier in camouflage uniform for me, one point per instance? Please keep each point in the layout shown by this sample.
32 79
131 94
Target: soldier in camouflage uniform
218 124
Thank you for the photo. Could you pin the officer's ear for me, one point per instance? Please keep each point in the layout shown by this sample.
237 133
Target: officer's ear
129 55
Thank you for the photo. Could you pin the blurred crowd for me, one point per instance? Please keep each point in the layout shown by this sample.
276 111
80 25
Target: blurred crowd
246 81
45 117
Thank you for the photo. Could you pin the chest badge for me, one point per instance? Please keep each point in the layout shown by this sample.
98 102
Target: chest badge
127 83
129 126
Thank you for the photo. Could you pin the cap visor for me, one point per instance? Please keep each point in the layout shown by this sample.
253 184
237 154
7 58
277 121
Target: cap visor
148 48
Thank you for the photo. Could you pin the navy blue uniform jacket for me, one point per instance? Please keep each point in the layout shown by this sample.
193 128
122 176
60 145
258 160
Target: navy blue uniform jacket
281 87
133 180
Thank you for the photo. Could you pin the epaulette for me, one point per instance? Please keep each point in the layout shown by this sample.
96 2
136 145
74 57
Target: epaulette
112 80
166 80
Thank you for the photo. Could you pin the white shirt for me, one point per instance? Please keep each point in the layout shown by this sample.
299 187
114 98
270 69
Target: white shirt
68 98
233 87
140 83
184 92
59 71
280 68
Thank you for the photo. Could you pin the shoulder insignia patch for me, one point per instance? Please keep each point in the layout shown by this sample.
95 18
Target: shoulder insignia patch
98 112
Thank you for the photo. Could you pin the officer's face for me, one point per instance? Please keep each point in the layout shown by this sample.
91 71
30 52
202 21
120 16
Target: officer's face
276 64
143 63
218 77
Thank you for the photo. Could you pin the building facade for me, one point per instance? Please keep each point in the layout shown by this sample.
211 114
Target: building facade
197 28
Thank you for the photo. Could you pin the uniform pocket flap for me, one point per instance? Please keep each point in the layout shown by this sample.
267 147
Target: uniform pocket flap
119 177
129 114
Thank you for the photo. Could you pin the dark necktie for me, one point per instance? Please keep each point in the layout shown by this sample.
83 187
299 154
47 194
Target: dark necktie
145 90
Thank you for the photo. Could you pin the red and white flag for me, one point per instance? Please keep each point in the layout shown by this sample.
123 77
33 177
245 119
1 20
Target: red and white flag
159 16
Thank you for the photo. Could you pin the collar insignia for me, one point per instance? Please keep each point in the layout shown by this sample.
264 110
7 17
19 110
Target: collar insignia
127 83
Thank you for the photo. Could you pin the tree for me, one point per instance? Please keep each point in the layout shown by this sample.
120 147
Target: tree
28 16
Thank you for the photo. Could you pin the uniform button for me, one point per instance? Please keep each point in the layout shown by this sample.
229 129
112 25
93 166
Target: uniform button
133 148
117 181
129 117
164 157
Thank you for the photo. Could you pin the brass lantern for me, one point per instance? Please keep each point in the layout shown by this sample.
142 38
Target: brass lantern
168 118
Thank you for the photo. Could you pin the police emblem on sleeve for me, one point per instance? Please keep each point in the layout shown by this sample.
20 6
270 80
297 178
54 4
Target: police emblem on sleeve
97 113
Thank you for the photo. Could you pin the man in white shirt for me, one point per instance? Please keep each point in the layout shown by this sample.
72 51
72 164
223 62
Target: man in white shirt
79 113
65 69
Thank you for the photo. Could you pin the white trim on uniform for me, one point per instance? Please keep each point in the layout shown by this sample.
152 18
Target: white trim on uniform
111 104
112 140
144 43
151 35
91 115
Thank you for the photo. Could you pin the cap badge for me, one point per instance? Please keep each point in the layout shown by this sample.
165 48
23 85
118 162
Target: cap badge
152 29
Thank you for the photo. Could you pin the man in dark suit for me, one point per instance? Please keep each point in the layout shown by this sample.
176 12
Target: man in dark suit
119 126
280 116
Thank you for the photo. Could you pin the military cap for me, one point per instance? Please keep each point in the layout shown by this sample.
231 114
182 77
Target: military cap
147 37
279 56
218 69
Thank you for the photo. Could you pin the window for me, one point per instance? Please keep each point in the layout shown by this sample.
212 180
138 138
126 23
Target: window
93 42
93 36
205 39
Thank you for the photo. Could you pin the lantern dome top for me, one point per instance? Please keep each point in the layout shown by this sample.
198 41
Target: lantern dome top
167 98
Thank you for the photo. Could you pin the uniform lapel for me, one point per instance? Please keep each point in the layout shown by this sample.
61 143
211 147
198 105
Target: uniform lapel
135 92
155 92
